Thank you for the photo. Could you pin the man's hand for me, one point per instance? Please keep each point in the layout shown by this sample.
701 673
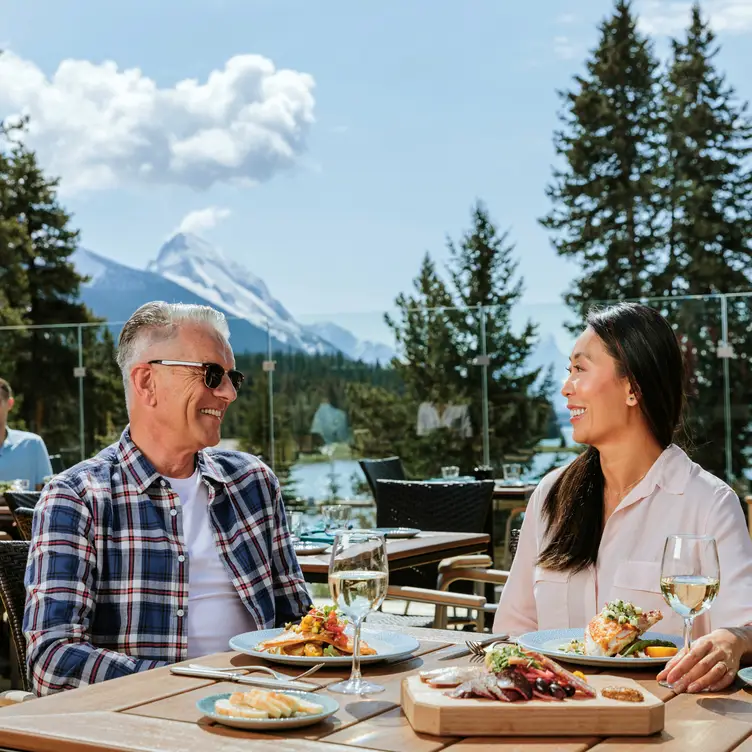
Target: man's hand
710 665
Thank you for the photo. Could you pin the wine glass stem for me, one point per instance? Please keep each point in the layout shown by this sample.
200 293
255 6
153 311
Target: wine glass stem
355 674
688 622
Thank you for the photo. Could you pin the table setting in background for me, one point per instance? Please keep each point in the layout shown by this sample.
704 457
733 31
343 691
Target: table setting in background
335 517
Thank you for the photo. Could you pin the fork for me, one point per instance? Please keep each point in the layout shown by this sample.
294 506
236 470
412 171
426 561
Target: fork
478 651
265 669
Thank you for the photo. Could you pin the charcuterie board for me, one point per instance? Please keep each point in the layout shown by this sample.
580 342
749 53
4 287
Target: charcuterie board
430 711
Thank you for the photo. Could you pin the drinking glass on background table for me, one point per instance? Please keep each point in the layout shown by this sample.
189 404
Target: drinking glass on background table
450 471
335 516
358 578
690 578
296 524
512 473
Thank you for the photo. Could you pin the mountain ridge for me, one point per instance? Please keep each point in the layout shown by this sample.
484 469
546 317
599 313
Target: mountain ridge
189 269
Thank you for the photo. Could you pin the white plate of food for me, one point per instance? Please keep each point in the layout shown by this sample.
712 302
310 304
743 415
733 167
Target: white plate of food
266 710
322 636
618 636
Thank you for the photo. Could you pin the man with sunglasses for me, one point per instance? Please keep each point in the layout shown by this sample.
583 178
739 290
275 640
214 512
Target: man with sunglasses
161 547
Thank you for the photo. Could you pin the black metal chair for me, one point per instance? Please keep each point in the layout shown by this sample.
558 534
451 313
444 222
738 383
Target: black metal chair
449 507
56 461
386 469
24 518
17 499
13 557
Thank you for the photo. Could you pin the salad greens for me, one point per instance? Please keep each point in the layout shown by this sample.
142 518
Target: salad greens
622 612
500 657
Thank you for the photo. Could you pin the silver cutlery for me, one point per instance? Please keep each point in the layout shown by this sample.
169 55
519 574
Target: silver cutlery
472 647
241 678
264 669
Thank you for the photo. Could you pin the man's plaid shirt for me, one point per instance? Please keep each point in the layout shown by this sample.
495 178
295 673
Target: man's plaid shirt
107 576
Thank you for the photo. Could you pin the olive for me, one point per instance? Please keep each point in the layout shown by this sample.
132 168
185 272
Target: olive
569 690
557 691
541 685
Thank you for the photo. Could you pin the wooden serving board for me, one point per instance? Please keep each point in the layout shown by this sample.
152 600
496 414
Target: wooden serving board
430 711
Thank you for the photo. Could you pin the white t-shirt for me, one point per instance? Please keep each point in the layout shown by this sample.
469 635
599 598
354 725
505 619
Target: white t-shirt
215 611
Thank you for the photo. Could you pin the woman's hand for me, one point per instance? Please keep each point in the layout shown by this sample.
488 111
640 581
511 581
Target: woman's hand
710 665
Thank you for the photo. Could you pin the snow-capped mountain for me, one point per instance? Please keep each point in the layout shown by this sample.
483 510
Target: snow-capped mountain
190 270
350 345
114 291
196 265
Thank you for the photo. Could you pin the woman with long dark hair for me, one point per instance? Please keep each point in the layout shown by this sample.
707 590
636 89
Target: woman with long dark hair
594 531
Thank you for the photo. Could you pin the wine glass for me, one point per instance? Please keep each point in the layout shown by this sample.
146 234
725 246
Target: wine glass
296 525
690 578
358 578
335 516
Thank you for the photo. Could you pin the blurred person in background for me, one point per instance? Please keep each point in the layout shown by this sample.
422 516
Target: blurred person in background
23 455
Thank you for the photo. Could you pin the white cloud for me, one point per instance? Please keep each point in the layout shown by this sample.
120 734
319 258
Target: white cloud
201 220
673 16
98 126
566 18
564 49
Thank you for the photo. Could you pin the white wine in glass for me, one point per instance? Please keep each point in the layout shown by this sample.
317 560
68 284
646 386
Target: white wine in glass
690 578
358 579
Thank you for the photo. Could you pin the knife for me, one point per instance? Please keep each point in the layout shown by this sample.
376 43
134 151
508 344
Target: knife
256 681
461 650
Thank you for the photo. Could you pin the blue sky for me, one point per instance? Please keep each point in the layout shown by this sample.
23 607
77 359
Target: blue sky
397 116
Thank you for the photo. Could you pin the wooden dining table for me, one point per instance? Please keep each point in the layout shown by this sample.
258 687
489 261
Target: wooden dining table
156 710
402 553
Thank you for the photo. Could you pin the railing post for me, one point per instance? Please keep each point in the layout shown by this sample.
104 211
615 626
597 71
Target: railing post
726 352
80 374
484 372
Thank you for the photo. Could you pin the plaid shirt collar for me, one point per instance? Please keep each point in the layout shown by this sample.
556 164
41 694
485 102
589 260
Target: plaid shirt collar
144 475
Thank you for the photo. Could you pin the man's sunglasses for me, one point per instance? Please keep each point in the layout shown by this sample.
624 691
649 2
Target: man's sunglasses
213 372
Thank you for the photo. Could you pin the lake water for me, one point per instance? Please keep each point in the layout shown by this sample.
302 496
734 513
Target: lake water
313 480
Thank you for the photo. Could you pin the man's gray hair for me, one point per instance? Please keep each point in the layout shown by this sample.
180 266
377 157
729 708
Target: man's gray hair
159 322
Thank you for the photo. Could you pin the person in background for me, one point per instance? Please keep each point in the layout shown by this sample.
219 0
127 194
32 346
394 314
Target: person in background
23 455
162 547
596 529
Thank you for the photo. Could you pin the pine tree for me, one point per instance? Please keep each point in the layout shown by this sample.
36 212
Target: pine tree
707 185
51 295
603 214
40 289
438 331
14 245
656 200
708 177
105 415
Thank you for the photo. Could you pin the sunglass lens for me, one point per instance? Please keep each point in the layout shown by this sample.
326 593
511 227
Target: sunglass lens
214 374
236 378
